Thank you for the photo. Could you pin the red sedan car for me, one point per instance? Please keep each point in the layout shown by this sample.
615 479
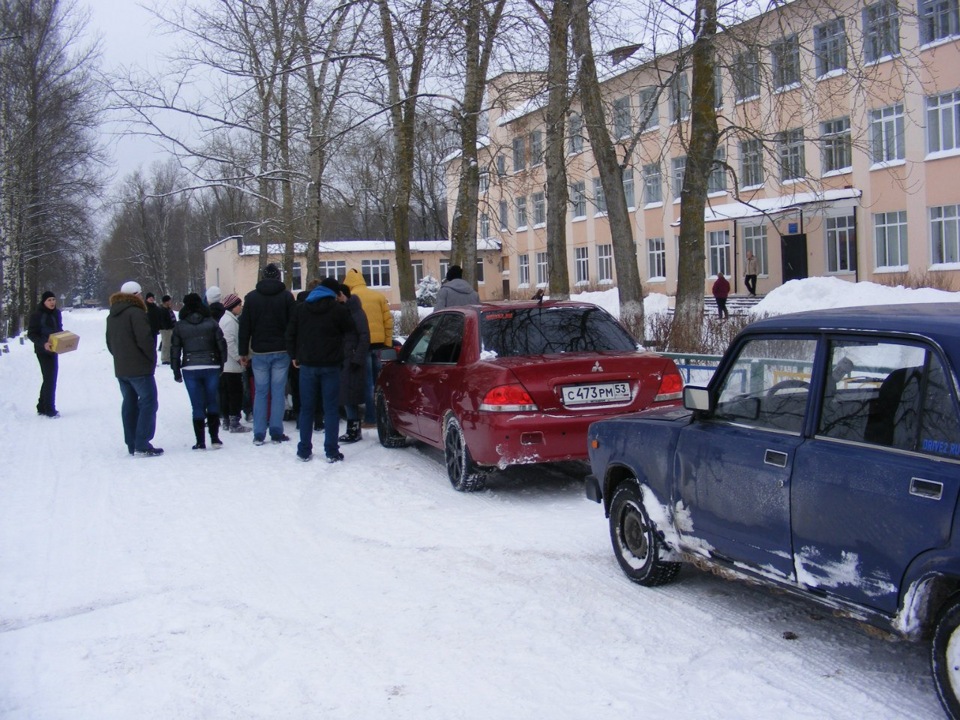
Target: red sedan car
502 384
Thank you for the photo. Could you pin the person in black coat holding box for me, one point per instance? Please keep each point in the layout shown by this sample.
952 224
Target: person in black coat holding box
45 321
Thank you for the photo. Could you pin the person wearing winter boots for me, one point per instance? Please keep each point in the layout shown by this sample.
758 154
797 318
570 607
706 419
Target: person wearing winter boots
134 350
231 380
197 354
45 321
315 342
353 380
456 291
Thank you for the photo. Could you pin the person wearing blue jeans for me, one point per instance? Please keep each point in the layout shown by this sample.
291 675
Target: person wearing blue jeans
373 370
270 388
326 378
134 349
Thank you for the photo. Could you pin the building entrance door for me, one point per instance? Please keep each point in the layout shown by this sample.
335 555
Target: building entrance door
794 256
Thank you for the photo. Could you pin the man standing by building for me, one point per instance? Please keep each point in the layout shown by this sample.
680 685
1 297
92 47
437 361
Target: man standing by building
167 321
380 320
750 276
134 348
262 343
456 291
721 288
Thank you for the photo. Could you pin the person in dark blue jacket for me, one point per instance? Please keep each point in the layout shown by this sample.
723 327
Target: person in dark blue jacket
45 321
315 343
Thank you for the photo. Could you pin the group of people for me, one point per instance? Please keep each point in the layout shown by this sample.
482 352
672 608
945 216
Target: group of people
721 286
326 341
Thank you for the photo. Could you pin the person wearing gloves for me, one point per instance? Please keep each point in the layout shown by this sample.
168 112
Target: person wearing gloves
197 354
456 291
45 321
231 381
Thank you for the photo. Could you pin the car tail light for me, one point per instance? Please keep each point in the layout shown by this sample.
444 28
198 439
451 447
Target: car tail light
508 398
671 386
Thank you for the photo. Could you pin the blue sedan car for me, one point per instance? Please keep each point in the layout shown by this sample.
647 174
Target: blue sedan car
823 457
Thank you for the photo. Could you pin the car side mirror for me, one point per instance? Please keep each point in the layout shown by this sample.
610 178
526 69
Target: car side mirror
696 398
388 355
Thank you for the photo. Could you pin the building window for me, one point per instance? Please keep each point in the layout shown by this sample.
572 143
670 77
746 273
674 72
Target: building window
746 75
523 270
599 199
504 213
536 148
656 259
332 268
786 62
943 122
751 163
575 139
717 179
484 225
652 183
945 234
376 273
501 165
890 234
578 198
521 213
581 265
830 46
621 118
718 86
938 19
886 134
519 154
296 283
542 274
679 98
417 266
755 241
444 266
539 209
837 154
628 188
881 30
718 245
679 167
841 244
479 270
790 148
484 181
649 111
604 263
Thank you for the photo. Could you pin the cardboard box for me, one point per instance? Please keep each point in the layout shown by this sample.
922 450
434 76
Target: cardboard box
63 342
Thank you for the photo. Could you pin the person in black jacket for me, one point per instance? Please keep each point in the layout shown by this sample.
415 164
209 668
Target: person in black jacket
167 321
315 342
263 325
45 321
353 376
153 315
197 354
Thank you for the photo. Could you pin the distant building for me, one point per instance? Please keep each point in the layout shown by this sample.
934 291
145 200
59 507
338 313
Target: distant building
232 265
847 166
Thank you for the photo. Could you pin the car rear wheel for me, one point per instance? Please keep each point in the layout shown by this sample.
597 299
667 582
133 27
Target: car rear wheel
463 474
386 433
945 657
636 542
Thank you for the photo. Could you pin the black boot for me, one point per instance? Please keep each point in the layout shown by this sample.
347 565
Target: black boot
213 424
198 432
352 434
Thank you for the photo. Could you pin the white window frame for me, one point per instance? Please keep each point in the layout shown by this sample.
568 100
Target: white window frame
938 20
332 268
504 215
887 134
751 163
543 275
678 167
575 134
717 179
628 191
746 75
539 209
605 264
581 265
376 273
622 122
836 145
578 200
881 31
943 122
830 47
790 148
656 259
599 199
754 238
649 108
785 58
945 235
652 184
718 248
890 240
522 213
679 98
523 270
840 237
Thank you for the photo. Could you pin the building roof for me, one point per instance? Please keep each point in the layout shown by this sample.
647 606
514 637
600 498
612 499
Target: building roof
775 205
360 246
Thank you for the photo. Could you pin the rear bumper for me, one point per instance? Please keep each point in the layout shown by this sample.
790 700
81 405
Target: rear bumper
503 439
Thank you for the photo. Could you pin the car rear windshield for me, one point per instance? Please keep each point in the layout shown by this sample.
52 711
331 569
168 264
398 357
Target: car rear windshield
551 330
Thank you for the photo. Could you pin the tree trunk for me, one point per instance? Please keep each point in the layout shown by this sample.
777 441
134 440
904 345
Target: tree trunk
557 191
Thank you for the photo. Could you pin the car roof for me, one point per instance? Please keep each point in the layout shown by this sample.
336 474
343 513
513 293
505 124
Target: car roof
520 305
932 319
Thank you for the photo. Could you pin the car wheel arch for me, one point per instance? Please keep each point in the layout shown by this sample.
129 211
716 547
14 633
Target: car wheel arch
615 476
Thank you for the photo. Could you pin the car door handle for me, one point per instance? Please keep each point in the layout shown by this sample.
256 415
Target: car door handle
930 489
775 458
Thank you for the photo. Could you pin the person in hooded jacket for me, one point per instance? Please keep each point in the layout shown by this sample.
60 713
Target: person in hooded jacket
315 342
231 379
456 291
197 354
380 323
262 343
134 348
353 380
45 321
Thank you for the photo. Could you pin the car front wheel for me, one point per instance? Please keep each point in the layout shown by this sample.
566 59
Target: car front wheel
945 657
463 474
636 542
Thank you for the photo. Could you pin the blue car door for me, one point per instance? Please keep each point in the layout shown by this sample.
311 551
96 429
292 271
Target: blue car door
878 484
734 467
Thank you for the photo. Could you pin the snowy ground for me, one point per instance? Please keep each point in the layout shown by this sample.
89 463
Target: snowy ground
244 584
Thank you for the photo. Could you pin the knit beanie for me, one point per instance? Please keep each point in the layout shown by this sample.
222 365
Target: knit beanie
46 295
230 301
192 300
213 294
130 287
271 271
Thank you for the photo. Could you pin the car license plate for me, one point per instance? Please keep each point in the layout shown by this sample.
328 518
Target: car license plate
595 394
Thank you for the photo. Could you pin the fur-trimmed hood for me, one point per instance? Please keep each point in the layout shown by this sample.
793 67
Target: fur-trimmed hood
119 297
